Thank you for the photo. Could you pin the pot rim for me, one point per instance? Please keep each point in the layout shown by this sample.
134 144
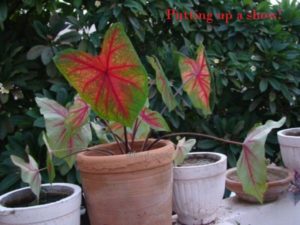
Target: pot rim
221 160
283 133
124 163
76 190
287 179
85 153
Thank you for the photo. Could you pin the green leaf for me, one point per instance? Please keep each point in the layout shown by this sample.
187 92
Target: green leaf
251 166
35 52
29 173
69 37
263 85
8 181
162 83
207 144
40 29
3 11
77 3
47 55
182 149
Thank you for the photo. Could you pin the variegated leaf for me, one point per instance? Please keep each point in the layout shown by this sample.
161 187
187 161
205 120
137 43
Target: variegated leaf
154 120
197 80
183 148
68 131
251 166
114 83
163 84
29 173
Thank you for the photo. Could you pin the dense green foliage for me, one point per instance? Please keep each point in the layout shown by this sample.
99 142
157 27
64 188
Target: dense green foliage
255 66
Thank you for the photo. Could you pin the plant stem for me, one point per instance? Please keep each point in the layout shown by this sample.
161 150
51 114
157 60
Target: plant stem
126 139
135 129
146 141
195 135
117 138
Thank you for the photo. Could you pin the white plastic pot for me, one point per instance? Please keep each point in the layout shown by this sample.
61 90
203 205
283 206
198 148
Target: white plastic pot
198 190
290 148
63 212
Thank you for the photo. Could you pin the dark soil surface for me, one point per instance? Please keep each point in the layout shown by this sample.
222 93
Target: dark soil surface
293 133
198 160
26 198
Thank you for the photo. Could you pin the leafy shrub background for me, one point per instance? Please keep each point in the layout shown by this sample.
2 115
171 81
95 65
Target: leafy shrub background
255 66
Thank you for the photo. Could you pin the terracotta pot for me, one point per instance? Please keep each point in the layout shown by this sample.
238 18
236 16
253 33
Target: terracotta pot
279 180
290 148
63 212
198 190
132 189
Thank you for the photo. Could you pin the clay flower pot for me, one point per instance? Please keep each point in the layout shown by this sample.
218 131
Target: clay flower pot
278 182
64 211
131 189
199 188
289 140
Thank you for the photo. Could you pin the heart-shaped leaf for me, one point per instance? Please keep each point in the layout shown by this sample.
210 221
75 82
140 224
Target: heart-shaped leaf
68 131
154 120
182 150
251 166
196 79
114 83
29 173
163 84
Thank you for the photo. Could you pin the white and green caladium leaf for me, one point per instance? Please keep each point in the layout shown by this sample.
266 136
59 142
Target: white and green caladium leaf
29 173
251 166
68 130
49 161
100 132
182 149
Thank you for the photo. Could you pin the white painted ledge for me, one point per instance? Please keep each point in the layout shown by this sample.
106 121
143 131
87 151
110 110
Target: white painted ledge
284 211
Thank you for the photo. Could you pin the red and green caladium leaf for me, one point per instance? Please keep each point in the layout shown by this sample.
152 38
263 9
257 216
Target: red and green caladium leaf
196 80
251 166
114 83
68 131
163 84
29 173
154 120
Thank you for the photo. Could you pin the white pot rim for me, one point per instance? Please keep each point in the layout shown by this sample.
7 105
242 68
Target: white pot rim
283 133
76 191
220 161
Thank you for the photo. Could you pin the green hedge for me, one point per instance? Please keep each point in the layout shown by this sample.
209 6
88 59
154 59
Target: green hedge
255 66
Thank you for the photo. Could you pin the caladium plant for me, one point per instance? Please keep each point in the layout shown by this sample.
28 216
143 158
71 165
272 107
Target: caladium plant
114 84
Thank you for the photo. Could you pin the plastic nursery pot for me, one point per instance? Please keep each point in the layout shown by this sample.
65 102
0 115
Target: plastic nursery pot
199 187
128 189
278 182
289 140
63 209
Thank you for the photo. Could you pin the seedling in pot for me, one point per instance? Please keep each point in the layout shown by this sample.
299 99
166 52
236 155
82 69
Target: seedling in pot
114 85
